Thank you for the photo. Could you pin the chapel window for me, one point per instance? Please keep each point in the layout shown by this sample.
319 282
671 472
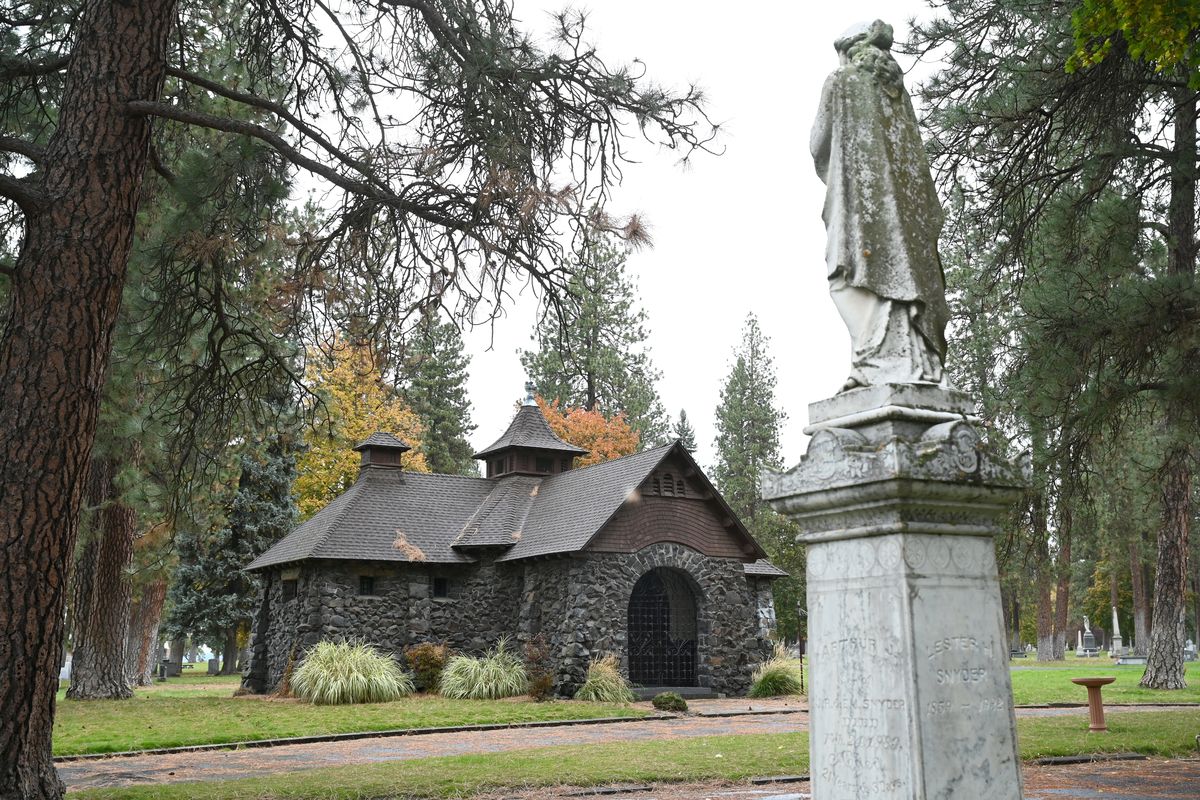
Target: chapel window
289 590
366 584
543 464
441 587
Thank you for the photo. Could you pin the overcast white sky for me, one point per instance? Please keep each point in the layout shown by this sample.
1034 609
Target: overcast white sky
733 234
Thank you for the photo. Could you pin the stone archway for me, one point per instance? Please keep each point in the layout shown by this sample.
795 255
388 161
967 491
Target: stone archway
663 629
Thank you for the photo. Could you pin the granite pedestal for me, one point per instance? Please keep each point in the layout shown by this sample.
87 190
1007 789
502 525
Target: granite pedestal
898 502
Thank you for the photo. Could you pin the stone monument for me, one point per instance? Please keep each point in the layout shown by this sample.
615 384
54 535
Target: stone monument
897 498
1115 649
1088 641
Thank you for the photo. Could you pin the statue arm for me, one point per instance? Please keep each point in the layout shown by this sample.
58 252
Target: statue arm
821 141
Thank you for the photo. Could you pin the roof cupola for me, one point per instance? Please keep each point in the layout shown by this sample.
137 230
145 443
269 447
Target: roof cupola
382 450
529 447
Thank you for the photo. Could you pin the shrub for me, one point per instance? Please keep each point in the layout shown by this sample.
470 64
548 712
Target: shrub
497 673
605 683
350 672
778 675
669 701
427 660
539 666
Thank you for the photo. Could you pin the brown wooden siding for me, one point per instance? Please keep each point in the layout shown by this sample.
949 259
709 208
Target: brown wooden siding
694 523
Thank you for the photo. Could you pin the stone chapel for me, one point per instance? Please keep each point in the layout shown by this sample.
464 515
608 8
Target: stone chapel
639 557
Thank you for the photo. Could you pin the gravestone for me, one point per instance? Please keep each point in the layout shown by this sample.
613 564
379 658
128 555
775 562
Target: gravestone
896 497
1117 649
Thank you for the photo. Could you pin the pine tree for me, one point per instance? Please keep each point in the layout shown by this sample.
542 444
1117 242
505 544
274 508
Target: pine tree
1080 177
591 350
684 433
211 598
747 443
748 423
435 387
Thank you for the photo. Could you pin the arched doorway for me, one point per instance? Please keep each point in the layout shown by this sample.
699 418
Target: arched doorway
662 630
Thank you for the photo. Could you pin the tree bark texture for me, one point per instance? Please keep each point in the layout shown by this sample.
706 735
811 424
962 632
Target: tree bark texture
1044 580
229 657
1140 580
1062 590
1165 666
102 594
63 300
143 651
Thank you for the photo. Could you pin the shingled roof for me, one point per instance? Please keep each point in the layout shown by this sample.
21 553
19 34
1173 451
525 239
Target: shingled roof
382 440
389 515
530 429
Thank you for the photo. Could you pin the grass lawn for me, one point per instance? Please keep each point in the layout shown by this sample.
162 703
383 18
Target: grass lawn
1050 682
726 757
201 710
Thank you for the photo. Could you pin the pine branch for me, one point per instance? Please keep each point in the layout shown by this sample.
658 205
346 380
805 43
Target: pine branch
12 144
280 145
25 194
25 68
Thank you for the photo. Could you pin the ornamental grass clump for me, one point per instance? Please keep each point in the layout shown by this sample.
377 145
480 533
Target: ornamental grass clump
349 672
605 683
497 673
777 676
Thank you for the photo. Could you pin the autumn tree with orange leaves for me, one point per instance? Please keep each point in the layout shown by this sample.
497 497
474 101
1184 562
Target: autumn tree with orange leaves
604 439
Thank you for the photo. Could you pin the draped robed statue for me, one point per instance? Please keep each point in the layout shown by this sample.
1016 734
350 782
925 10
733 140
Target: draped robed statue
882 216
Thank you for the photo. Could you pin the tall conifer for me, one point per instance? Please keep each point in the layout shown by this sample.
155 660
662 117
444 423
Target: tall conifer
435 387
747 442
594 356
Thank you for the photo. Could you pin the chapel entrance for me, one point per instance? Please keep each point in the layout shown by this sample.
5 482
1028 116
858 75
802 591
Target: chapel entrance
662 630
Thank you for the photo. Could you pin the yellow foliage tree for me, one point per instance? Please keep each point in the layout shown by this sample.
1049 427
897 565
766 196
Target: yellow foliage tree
604 439
358 403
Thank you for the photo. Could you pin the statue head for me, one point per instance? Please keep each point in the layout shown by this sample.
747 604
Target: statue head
868 46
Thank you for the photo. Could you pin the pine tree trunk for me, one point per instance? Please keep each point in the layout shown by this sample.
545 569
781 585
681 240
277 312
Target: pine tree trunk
1164 664
144 620
175 651
1164 667
1062 591
1139 577
229 661
62 306
1044 580
99 669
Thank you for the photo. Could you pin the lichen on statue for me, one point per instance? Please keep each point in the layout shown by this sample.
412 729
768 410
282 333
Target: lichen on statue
882 216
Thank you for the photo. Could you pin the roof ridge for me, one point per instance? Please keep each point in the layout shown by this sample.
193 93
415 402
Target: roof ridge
445 475
618 458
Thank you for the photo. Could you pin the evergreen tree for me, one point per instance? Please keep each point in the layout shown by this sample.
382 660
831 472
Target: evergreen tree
684 433
747 443
435 375
1081 179
211 599
748 423
591 347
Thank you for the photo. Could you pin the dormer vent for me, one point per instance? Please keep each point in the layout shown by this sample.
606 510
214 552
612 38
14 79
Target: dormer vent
382 450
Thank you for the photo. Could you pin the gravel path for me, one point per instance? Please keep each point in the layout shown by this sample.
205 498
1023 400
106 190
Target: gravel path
229 764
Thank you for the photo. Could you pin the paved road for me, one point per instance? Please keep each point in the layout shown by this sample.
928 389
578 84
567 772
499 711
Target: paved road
229 764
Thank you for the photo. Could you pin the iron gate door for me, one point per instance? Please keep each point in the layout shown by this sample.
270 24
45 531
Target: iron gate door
655 658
